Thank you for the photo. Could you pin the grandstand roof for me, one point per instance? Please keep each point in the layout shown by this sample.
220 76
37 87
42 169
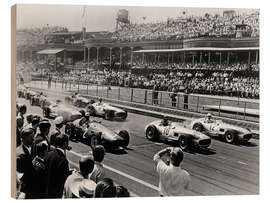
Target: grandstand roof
197 49
50 51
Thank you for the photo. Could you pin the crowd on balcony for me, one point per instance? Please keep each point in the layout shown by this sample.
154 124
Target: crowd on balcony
189 27
227 81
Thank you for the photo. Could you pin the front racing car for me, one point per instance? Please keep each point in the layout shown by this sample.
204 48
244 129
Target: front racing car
185 137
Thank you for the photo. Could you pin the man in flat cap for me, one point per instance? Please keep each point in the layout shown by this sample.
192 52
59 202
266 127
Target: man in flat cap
43 136
24 161
173 180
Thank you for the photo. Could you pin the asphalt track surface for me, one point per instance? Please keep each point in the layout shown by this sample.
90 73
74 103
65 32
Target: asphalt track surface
225 169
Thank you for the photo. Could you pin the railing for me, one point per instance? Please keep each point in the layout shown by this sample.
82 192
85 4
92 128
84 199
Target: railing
241 108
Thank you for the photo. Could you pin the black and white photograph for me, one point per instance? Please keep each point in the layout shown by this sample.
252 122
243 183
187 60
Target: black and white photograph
135 101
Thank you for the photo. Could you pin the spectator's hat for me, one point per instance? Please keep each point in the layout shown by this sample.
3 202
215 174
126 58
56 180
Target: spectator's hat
19 121
26 132
83 188
35 119
59 120
44 123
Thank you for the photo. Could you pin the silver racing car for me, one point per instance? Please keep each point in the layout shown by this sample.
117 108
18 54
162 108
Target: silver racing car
174 131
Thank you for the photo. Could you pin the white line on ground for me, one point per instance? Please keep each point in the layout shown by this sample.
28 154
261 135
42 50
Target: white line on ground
123 174
240 162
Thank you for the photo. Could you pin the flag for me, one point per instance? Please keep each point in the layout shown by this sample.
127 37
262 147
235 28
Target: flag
84 9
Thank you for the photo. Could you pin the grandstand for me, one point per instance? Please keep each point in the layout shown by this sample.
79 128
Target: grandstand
206 54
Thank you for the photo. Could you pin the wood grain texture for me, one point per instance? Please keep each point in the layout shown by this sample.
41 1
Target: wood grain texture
13 100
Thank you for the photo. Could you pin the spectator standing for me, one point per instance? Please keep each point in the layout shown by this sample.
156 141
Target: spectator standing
173 180
98 173
38 186
44 128
19 126
173 96
155 94
186 98
24 162
58 168
78 178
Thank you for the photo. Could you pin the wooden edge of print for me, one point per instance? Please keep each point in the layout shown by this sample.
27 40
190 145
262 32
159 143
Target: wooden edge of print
13 100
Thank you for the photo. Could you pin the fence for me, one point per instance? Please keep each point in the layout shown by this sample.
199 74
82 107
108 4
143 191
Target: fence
242 109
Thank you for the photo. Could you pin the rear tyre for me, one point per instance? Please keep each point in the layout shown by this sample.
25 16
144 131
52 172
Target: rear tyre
125 135
198 127
231 137
184 142
125 116
152 133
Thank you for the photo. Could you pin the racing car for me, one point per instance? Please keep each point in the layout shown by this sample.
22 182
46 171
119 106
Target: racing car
106 110
217 128
186 138
77 100
54 109
94 133
21 91
30 94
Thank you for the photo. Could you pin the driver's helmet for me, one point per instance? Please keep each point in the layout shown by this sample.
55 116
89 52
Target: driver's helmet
87 115
209 116
165 119
100 100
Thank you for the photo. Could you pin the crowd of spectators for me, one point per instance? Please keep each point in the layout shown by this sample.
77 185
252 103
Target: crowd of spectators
43 169
235 79
190 27
33 36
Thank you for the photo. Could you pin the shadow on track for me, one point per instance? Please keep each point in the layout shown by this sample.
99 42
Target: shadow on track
239 143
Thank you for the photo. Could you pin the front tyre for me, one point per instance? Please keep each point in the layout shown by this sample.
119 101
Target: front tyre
231 137
184 142
125 135
108 115
151 133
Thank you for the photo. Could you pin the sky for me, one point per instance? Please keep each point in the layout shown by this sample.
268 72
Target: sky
100 18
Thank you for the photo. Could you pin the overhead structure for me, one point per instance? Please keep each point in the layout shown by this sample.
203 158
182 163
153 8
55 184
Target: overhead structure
122 19
196 49
50 51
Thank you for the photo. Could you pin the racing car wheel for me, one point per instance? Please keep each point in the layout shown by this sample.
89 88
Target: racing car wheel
184 142
125 135
108 115
231 137
151 133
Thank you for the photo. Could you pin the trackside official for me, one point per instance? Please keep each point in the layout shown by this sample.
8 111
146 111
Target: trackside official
173 180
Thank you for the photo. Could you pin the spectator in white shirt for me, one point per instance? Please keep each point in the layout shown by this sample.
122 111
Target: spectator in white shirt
173 180
98 173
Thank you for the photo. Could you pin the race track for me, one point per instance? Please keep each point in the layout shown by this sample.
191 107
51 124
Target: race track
225 170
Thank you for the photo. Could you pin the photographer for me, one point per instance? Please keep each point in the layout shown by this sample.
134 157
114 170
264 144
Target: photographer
173 180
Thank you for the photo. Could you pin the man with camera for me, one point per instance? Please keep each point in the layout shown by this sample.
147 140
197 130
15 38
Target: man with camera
173 180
